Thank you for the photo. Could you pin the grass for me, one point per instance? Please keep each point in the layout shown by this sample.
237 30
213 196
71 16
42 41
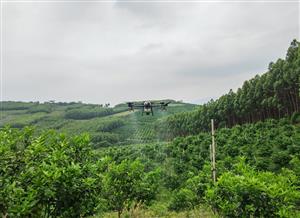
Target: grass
161 212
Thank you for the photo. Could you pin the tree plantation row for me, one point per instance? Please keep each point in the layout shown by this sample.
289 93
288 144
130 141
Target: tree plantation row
54 175
107 126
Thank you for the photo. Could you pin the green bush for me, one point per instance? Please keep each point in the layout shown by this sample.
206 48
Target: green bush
88 113
46 108
192 191
110 125
245 192
104 139
47 175
183 199
127 183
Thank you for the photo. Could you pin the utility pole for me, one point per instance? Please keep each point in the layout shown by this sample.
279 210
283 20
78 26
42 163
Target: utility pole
213 152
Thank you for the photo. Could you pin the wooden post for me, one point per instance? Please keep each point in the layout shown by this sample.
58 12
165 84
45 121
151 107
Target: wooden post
210 157
213 152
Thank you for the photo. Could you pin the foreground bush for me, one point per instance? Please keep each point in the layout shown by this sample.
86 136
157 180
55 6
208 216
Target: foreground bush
248 193
192 192
52 175
128 185
183 199
47 176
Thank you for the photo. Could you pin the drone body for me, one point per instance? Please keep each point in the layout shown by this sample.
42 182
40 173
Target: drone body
147 106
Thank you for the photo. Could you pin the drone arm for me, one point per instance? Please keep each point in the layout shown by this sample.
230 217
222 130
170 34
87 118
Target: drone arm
138 106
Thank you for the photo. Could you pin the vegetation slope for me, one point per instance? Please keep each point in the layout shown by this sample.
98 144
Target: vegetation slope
50 174
106 125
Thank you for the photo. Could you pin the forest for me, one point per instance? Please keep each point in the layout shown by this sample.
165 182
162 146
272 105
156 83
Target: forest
84 160
274 94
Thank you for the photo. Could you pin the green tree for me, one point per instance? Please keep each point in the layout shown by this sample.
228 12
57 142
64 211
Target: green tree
245 192
127 183
49 175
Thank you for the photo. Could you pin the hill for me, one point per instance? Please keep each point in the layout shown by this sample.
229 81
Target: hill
106 125
163 166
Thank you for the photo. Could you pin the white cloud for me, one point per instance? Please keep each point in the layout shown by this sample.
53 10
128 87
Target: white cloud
118 51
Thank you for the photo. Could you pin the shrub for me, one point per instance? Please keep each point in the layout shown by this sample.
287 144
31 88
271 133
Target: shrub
245 192
104 139
193 190
183 199
127 183
46 108
47 175
110 125
88 113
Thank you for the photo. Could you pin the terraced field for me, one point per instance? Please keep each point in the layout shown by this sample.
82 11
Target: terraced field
118 127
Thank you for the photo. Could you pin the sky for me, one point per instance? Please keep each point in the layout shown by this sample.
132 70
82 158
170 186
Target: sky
118 51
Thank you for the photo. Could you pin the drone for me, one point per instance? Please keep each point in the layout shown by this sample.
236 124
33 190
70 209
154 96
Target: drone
147 106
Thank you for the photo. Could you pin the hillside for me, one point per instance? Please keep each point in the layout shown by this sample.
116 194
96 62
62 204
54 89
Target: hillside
106 125
163 167
257 169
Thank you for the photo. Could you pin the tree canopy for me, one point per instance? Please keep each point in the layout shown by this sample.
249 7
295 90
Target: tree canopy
274 94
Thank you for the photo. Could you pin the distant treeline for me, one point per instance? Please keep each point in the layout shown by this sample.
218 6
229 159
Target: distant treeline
73 110
274 94
19 105
86 113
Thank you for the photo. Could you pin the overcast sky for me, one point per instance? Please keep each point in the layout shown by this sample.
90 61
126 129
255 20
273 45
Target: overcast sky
116 51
